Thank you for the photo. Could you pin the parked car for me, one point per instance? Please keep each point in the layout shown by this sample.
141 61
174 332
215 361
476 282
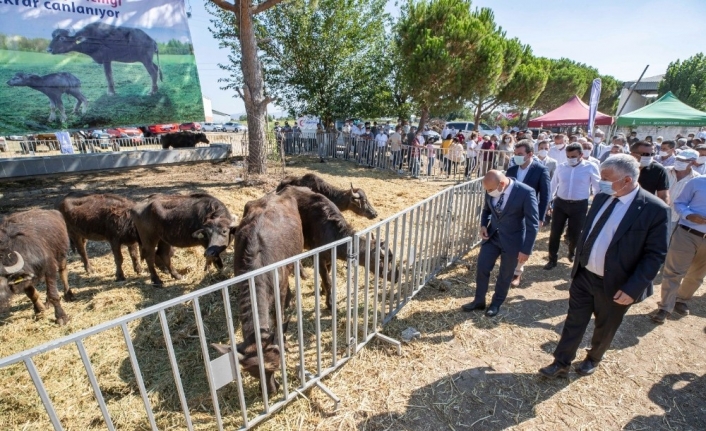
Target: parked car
161 129
212 127
430 134
467 127
233 127
193 126
132 133
16 138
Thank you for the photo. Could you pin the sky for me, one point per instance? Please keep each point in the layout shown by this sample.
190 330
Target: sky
618 37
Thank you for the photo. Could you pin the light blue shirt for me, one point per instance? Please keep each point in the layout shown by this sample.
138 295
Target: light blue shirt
692 200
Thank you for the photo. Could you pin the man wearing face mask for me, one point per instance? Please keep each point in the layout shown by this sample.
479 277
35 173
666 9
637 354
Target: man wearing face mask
680 174
544 159
509 223
599 146
700 163
557 152
653 178
587 149
571 188
529 171
621 248
667 151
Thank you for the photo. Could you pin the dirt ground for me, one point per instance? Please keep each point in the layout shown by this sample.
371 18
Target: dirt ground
465 372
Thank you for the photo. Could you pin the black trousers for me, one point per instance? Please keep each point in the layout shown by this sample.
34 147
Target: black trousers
489 253
575 213
587 297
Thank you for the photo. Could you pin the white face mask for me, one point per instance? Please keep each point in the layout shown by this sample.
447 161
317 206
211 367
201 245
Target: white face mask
518 159
559 146
663 154
586 153
680 166
597 140
645 161
573 162
495 193
543 153
701 160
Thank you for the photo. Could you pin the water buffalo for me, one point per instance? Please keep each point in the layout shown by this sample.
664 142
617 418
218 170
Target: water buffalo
323 224
166 221
354 199
270 231
183 140
33 246
53 86
98 217
105 43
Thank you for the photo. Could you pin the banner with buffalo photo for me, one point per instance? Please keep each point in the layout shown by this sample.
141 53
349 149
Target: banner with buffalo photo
93 64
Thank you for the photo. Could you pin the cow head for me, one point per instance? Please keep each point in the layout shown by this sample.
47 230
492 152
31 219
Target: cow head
200 137
360 205
62 42
248 359
21 79
215 236
14 277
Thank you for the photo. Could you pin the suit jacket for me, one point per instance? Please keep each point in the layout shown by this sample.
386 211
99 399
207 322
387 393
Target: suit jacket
637 249
538 178
516 227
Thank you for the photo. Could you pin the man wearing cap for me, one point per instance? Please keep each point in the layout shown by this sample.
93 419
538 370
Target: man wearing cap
667 151
682 143
653 177
679 175
685 266
700 164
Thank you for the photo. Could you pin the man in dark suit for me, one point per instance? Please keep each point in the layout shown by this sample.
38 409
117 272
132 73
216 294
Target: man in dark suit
621 248
509 223
529 171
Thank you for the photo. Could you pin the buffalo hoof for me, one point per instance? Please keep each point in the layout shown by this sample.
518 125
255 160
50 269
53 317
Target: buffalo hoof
138 270
69 296
119 277
90 270
157 283
62 320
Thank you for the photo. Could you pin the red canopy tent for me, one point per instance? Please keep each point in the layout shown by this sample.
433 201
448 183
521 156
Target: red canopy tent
572 113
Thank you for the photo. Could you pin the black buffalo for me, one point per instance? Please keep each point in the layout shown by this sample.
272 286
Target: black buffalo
53 86
353 200
166 221
102 217
183 139
323 224
270 231
33 247
106 43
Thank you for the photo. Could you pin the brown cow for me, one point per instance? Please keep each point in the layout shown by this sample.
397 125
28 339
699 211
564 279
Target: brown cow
101 218
270 231
354 199
323 224
166 221
33 246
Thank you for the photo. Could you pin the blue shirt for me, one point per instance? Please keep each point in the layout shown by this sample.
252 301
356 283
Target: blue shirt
692 200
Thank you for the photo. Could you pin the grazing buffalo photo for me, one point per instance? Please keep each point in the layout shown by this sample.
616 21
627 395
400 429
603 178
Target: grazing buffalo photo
53 86
106 43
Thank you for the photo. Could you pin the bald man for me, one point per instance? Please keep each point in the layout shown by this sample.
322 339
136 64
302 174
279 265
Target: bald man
509 224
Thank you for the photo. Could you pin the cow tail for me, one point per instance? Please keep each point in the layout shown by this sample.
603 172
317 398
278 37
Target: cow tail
159 66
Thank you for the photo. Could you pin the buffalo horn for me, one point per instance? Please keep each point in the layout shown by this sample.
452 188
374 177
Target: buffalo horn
353 193
16 267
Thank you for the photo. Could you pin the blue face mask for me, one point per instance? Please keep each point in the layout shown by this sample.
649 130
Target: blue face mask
607 187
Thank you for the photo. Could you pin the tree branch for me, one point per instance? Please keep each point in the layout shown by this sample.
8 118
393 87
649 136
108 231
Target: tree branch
267 100
240 93
233 7
267 4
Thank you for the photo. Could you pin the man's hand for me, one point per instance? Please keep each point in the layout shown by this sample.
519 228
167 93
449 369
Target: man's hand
541 224
522 258
696 218
484 232
622 298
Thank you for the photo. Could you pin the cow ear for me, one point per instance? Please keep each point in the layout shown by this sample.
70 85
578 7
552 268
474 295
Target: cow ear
199 234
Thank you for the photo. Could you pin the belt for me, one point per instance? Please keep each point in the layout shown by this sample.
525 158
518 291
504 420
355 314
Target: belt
590 272
572 202
693 231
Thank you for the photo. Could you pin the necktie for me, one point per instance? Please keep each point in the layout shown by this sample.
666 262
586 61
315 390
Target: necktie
593 236
499 205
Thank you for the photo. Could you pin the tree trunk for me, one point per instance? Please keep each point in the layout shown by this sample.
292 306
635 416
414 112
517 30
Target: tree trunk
423 119
476 117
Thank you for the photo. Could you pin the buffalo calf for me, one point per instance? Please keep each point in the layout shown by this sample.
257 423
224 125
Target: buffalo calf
183 140
53 86
102 217
33 247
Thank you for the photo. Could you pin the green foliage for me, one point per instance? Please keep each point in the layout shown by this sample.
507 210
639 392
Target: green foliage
21 43
24 109
610 94
175 47
687 80
566 79
243 118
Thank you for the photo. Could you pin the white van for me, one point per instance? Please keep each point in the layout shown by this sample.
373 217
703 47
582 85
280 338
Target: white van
211 127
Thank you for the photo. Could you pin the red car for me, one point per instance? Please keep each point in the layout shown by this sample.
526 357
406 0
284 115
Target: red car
132 133
160 129
193 126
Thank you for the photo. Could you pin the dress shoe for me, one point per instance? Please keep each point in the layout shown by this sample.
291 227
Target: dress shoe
473 305
492 311
516 281
660 316
550 265
571 258
681 308
554 370
586 367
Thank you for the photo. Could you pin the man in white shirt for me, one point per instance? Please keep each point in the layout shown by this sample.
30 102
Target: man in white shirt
571 188
557 152
381 141
679 175
587 150
667 151
700 163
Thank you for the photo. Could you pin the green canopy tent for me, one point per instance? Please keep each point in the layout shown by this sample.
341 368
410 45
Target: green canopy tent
665 111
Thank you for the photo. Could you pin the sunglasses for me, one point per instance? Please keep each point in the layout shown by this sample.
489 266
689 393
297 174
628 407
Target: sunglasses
643 154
